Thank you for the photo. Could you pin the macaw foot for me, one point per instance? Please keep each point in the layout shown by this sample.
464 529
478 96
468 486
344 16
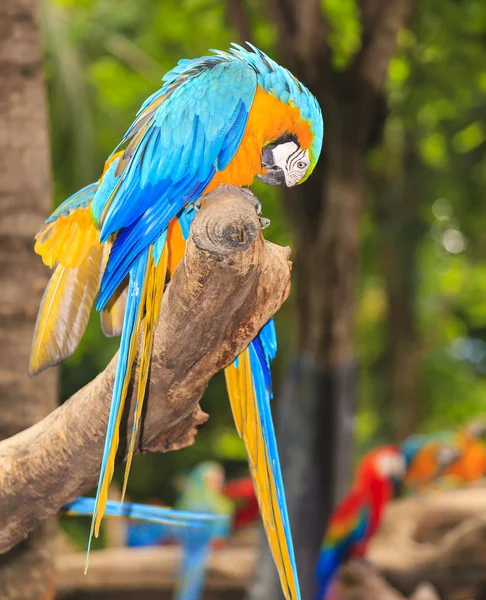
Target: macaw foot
264 222
248 194
253 199
198 203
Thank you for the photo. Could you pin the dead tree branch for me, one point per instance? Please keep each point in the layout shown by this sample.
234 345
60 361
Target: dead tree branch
229 284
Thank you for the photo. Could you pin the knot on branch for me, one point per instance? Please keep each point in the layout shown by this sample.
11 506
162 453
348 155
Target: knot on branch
227 226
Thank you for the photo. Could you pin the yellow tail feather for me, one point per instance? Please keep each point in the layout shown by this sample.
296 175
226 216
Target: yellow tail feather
248 424
112 316
68 240
153 298
64 311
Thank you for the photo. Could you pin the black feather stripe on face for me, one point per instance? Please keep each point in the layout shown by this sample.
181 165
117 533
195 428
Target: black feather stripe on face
294 158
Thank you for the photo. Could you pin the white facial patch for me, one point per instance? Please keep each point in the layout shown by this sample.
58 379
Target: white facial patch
391 465
293 161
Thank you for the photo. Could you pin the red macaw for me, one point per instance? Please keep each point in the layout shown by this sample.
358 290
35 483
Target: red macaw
358 516
242 492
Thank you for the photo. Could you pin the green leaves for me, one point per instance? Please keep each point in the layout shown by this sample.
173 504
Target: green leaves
344 38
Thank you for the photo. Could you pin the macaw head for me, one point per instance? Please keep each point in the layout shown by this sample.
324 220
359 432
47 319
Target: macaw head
285 162
385 463
390 463
208 475
446 456
291 158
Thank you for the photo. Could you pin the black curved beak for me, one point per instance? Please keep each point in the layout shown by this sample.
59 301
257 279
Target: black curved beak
273 176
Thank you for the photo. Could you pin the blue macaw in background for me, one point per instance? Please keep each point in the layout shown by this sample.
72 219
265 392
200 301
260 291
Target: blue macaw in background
201 492
194 531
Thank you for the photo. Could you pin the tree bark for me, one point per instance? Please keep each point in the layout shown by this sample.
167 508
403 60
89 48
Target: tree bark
25 197
229 284
316 408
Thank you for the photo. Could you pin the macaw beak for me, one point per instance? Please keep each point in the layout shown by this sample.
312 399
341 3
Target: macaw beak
271 173
273 176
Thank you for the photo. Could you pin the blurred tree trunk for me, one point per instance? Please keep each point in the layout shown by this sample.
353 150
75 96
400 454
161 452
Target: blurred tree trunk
26 573
316 408
400 230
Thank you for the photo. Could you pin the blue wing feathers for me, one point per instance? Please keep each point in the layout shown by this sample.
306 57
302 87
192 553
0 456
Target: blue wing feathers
334 554
141 234
194 530
327 564
185 143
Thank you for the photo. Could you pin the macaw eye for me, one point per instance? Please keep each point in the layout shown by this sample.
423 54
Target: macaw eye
301 165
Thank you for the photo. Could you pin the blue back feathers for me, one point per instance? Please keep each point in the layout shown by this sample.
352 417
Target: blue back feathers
284 86
183 134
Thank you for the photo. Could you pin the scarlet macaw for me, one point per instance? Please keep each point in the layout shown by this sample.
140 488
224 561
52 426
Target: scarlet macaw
358 516
221 119
242 493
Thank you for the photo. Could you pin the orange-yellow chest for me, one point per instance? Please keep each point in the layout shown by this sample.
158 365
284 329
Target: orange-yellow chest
269 118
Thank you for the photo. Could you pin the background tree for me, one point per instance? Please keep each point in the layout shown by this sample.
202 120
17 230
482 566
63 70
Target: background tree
317 404
25 198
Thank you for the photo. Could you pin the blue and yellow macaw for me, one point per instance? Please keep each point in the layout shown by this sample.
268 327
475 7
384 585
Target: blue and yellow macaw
194 531
202 492
220 119
427 457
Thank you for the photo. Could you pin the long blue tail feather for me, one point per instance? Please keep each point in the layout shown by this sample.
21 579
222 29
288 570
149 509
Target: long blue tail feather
132 316
193 569
262 351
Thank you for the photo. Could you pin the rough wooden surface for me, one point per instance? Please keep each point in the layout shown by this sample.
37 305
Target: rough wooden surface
149 568
229 284
438 538
25 201
360 581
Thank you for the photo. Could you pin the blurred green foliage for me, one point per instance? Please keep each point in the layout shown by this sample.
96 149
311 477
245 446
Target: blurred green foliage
104 57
